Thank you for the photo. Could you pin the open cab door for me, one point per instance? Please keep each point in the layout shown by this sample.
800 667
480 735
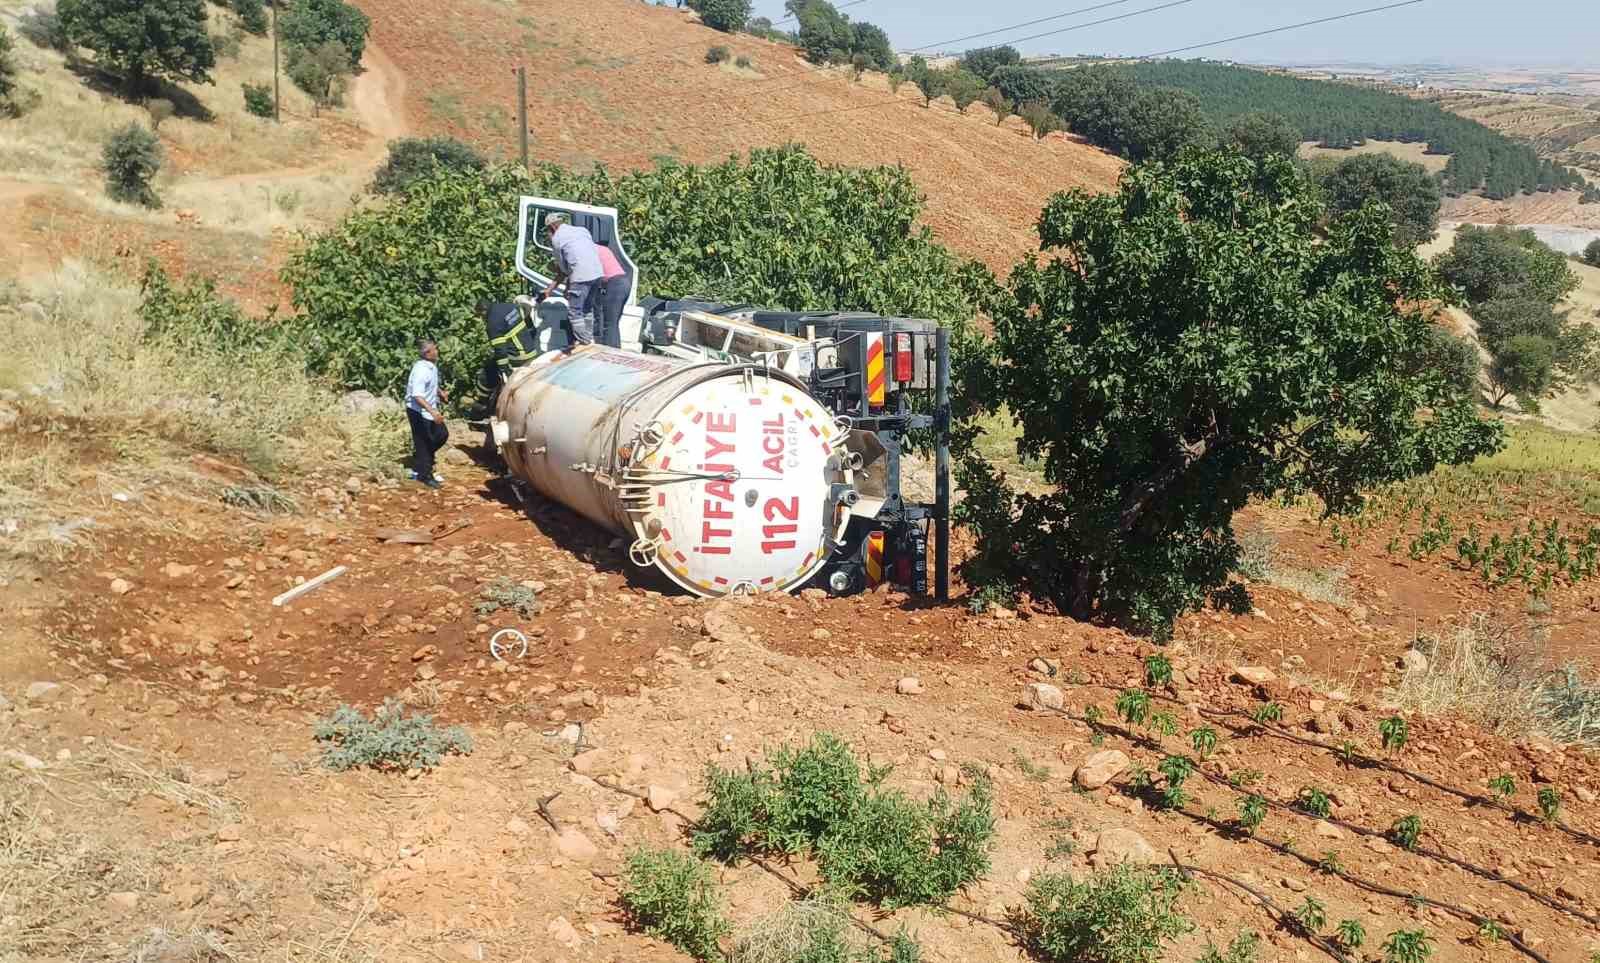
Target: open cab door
536 265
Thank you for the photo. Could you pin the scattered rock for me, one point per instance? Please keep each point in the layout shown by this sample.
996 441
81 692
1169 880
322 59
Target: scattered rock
1045 667
1000 613
1379 846
1413 661
175 571
426 671
1119 845
1101 768
1042 695
209 778
41 693
910 685
366 403
1293 885
574 845
1584 794
1327 723
455 456
821 635
659 798
22 760
352 485
1328 830
564 933
165 707
518 827
123 901
121 586
947 775
720 624
1254 674
33 311
938 755
229 833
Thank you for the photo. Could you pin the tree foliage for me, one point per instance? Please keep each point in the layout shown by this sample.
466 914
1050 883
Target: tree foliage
1591 254
1023 85
308 24
827 36
1523 365
996 101
8 74
1109 109
729 16
1260 134
984 61
130 160
1408 190
321 71
252 16
1188 345
1347 115
962 86
411 158
778 229
143 39
1494 262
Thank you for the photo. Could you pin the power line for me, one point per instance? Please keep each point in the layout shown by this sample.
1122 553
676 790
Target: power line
1263 33
1016 26
1211 43
840 6
1120 16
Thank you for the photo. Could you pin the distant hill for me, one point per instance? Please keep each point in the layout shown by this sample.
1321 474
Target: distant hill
620 83
1339 114
1562 127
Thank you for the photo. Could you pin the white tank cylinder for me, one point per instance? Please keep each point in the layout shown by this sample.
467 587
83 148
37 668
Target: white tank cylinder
729 478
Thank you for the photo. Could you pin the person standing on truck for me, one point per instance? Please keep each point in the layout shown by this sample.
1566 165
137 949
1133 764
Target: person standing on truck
423 397
613 298
578 267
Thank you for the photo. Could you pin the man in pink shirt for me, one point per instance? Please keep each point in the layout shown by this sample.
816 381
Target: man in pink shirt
614 297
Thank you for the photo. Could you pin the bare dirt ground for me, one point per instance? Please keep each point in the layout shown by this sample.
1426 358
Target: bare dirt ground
1557 207
621 83
173 779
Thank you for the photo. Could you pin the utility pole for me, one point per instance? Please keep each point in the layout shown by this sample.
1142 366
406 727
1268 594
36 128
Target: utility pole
522 112
277 98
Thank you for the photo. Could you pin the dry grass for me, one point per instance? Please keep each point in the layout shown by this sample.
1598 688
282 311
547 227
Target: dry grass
785 935
1413 153
1259 562
1489 673
195 946
60 140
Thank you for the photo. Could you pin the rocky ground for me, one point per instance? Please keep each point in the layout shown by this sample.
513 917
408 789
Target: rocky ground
163 794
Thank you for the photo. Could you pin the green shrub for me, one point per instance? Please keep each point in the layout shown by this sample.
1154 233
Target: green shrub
258 100
131 158
870 843
8 74
252 16
1122 915
387 741
816 931
671 895
718 54
503 593
1241 950
411 158
44 29
1591 254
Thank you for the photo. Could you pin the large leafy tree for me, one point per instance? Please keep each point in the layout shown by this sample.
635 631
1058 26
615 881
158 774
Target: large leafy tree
1259 134
1023 85
729 16
1487 263
308 24
778 229
1185 345
143 39
1411 193
984 61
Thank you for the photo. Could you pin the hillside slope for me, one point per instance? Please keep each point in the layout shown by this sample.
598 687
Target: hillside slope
622 83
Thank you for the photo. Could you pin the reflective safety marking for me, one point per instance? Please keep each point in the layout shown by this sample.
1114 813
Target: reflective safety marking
754 400
699 416
719 580
788 399
801 415
677 438
680 557
877 379
665 462
661 499
807 562
666 535
874 559
827 449
815 430
768 580
689 410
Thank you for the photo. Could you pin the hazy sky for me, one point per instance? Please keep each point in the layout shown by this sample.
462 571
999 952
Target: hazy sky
1456 31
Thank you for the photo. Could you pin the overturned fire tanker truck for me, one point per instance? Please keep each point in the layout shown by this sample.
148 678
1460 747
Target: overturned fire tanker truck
739 450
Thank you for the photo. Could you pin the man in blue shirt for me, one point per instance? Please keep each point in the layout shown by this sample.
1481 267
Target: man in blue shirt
423 396
578 265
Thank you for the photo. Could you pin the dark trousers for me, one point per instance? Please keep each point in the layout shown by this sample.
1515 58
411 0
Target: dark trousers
580 312
427 437
613 298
